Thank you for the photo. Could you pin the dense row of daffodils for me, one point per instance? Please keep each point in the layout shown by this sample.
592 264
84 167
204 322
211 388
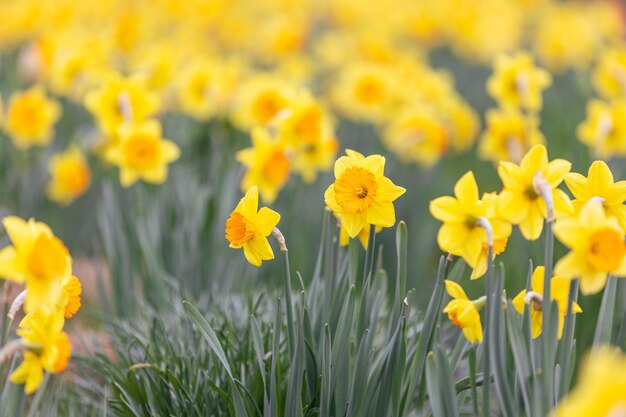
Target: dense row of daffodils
476 228
283 81
39 261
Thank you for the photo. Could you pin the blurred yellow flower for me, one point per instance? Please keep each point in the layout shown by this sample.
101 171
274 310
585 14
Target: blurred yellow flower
601 388
70 299
261 98
248 228
361 195
526 187
206 87
599 185
306 128
509 135
70 176
517 82
609 76
121 100
268 164
365 92
38 259
604 129
559 292
417 135
597 247
465 218
463 312
30 118
143 154
48 349
566 37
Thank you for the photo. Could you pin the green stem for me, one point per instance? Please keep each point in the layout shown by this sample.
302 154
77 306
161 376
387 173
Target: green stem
486 336
548 332
291 332
567 340
472 378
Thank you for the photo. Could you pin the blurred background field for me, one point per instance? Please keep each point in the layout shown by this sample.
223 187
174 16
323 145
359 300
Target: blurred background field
405 79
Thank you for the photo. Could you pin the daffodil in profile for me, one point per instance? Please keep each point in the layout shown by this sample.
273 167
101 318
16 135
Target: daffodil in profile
467 223
143 153
600 186
463 312
559 292
517 82
47 348
601 387
36 258
248 228
70 296
361 195
530 192
597 247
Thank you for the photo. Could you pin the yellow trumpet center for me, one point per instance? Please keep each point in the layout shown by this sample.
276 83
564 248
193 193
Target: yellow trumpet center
453 316
499 245
72 289
369 90
142 151
74 176
606 250
239 229
276 168
63 349
267 105
355 190
48 257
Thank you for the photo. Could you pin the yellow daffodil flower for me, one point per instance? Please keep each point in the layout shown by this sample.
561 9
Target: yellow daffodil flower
559 52
599 185
306 128
361 195
463 312
268 164
604 129
526 187
70 176
365 92
517 82
47 348
609 76
509 135
248 228
38 259
261 99
597 247
465 219
559 292
30 118
418 135
601 387
121 100
206 87
143 154
70 298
